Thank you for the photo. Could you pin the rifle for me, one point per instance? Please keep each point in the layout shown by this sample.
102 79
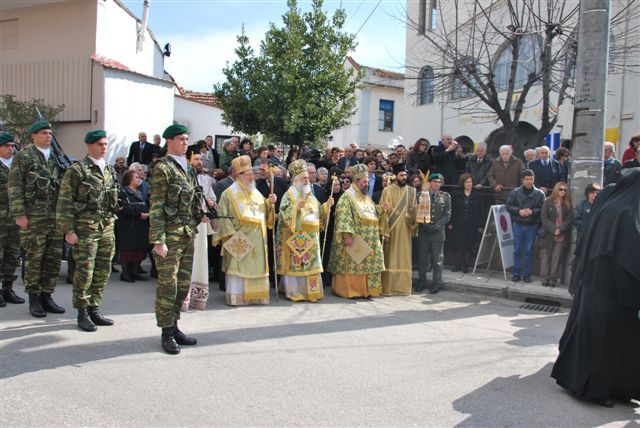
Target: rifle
63 160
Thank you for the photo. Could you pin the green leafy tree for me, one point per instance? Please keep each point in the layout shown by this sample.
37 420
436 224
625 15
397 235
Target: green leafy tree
17 116
297 91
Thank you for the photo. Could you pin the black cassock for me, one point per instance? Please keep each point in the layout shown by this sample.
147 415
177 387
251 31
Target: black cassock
600 348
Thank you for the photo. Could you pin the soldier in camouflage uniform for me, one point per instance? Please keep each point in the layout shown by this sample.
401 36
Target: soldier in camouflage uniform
9 232
85 217
174 215
34 182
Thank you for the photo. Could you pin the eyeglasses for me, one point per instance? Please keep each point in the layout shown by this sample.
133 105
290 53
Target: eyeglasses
562 190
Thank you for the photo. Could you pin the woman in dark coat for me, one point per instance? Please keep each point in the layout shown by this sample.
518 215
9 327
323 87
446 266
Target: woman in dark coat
132 227
600 347
467 222
557 221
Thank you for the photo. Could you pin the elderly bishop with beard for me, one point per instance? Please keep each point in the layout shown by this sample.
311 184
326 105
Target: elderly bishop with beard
356 254
244 237
298 237
399 227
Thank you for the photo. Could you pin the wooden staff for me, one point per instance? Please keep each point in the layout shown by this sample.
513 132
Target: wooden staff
334 178
273 236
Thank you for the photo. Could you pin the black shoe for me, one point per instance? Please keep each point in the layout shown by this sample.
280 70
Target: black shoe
515 278
84 322
35 307
126 278
2 302
465 269
97 317
49 305
9 295
169 342
69 280
181 338
606 402
222 287
526 278
434 290
455 269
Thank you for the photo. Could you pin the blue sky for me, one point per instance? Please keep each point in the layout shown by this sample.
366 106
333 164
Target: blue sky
202 32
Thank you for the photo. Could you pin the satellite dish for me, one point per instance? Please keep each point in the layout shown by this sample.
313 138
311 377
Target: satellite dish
167 50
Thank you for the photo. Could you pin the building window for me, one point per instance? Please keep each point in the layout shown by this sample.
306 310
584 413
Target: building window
426 86
9 34
428 19
466 72
385 116
527 63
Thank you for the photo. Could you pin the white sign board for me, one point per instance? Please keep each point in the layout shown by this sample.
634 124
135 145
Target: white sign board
497 231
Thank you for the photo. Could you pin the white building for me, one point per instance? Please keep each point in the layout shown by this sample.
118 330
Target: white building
432 111
202 114
84 54
378 120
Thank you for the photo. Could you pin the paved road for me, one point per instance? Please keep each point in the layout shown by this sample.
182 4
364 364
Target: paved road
448 360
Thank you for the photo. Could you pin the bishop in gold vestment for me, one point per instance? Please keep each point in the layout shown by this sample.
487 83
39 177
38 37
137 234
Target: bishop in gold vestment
298 237
244 237
356 254
399 226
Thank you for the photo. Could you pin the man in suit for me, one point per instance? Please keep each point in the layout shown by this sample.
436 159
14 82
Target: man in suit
375 181
316 189
431 236
479 165
280 185
547 171
141 150
443 156
224 184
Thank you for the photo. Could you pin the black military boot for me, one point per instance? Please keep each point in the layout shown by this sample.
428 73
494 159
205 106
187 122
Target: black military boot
97 317
169 341
9 295
181 338
84 322
35 307
49 305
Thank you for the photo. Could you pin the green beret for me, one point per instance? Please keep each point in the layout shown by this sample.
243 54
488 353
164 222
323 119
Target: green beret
435 176
39 126
174 130
94 135
6 138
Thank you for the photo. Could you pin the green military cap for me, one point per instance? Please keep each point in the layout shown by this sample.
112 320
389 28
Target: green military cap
39 126
6 138
175 129
94 135
436 176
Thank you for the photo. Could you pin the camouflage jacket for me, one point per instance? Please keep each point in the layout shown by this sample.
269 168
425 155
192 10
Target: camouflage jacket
88 199
176 201
34 184
4 192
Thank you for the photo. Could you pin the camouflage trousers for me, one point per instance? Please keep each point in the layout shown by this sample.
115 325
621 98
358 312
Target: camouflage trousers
9 250
42 245
92 255
174 278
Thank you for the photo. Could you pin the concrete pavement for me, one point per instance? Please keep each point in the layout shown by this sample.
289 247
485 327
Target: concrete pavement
445 360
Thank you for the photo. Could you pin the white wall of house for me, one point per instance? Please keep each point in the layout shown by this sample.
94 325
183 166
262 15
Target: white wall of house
116 36
201 119
134 103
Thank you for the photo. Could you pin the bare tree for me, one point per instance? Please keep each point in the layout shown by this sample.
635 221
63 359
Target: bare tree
492 59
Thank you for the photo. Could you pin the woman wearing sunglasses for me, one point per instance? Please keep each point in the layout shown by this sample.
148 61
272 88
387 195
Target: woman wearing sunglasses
557 219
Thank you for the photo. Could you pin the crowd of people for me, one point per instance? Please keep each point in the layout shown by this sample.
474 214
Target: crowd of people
353 219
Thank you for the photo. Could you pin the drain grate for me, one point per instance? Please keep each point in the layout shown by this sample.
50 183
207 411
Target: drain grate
540 308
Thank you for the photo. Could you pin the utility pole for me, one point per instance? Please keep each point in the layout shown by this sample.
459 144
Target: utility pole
590 100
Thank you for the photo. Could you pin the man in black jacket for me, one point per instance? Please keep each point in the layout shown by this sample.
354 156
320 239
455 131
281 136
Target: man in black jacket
316 189
443 156
141 150
546 170
524 205
479 165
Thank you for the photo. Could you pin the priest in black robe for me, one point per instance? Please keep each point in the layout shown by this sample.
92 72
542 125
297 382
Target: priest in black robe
599 356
